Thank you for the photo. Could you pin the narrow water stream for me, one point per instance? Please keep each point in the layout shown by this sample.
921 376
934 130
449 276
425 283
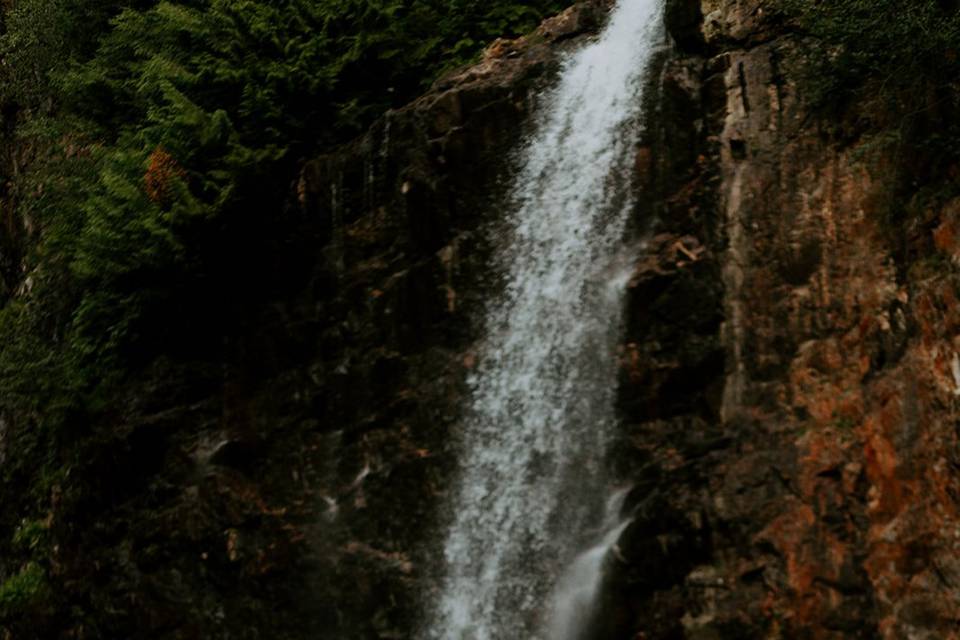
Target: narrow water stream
541 410
576 592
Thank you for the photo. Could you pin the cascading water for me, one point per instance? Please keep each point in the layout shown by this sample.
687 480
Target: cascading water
543 391
577 591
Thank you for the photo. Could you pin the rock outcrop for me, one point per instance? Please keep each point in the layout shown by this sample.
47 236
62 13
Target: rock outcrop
801 483
789 381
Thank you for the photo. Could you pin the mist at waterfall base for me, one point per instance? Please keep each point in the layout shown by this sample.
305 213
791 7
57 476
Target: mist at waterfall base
575 594
541 408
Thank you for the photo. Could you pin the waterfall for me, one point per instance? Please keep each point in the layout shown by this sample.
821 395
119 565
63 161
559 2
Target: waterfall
542 393
576 593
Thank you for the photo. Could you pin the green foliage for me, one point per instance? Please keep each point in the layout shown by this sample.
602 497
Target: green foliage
23 589
150 133
894 60
890 54
887 73
30 536
38 36
290 72
30 48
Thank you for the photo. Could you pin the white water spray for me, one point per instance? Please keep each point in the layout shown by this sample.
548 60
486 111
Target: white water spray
543 391
577 591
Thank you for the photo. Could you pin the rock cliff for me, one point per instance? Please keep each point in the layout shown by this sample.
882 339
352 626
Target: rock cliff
801 482
788 387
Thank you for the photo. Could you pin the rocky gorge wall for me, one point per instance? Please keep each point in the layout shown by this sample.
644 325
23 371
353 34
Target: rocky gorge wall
804 484
788 381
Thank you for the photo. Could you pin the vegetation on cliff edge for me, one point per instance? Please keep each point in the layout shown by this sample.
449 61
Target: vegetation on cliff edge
890 71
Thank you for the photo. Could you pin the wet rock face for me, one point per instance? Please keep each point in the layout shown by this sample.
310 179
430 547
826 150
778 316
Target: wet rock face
790 375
